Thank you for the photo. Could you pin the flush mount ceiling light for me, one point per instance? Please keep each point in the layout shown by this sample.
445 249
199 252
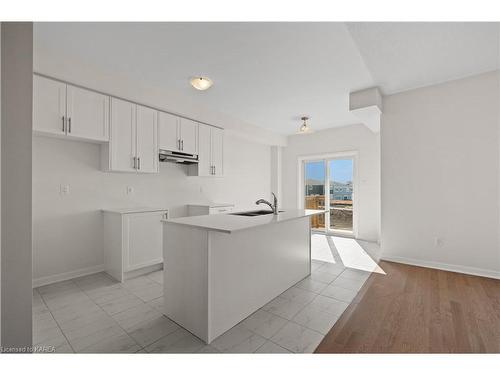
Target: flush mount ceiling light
304 127
201 83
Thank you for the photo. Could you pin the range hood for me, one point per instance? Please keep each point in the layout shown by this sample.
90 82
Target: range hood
177 157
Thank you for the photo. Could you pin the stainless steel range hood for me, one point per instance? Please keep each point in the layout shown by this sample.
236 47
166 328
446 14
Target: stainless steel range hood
177 157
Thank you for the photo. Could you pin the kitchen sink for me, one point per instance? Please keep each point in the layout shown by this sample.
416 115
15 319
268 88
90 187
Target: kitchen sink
254 213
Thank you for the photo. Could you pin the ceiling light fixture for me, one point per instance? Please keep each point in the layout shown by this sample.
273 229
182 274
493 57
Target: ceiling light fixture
201 83
305 128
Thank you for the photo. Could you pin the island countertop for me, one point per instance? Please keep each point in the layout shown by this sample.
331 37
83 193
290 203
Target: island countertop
132 210
228 223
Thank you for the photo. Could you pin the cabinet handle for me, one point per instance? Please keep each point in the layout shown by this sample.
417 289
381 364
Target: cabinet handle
214 169
69 125
182 145
179 144
64 124
134 162
138 163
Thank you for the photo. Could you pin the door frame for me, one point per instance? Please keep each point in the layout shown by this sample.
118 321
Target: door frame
301 160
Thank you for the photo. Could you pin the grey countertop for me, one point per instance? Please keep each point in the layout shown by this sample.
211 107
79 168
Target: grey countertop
228 223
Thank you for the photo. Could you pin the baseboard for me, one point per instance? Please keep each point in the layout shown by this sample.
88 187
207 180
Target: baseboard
444 266
67 275
142 271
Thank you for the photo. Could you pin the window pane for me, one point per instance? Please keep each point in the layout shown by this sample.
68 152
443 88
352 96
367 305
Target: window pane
341 194
314 190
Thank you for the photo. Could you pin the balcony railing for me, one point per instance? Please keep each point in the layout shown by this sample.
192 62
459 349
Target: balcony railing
340 213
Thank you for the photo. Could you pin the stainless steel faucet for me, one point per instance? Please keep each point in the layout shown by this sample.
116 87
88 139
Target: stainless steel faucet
274 206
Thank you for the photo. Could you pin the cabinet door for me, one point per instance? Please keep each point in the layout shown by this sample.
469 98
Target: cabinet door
143 234
147 142
217 150
88 114
189 136
204 164
123 141
49 106
168 129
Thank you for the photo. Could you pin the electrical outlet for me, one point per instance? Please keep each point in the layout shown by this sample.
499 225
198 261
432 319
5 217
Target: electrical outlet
63 189
130 190
439 242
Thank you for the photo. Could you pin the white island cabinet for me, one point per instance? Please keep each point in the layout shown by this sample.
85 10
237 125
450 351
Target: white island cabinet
132 241
219 269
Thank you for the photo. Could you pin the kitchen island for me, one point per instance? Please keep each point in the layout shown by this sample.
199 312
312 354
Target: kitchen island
219 269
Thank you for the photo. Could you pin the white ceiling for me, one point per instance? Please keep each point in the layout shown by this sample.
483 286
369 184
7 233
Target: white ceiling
269 74
404 56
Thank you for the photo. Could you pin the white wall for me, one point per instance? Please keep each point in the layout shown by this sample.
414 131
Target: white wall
440 171
349 138
0 179
67 229
17 93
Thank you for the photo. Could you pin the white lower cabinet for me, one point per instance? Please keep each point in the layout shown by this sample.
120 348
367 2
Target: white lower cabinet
133 240
209 209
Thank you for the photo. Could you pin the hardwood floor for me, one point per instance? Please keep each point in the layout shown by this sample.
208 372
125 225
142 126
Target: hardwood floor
419 310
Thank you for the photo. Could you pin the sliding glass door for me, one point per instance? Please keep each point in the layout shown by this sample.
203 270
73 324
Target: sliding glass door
314 190
341 189
329 184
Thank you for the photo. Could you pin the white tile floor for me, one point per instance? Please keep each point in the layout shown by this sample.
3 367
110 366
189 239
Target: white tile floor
95 314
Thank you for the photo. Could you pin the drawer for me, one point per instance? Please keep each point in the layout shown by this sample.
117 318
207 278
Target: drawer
220 210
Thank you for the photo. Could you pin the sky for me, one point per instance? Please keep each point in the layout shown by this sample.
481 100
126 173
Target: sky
340 170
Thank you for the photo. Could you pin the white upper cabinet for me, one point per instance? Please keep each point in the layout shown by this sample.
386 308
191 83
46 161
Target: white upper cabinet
122 147
63 109
131 134
88 114
133 146
168 132
49 106
188 136
217 143
211 152
147 139
204 167
177 134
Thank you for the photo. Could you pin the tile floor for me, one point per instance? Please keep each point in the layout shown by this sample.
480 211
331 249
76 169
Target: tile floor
95 314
